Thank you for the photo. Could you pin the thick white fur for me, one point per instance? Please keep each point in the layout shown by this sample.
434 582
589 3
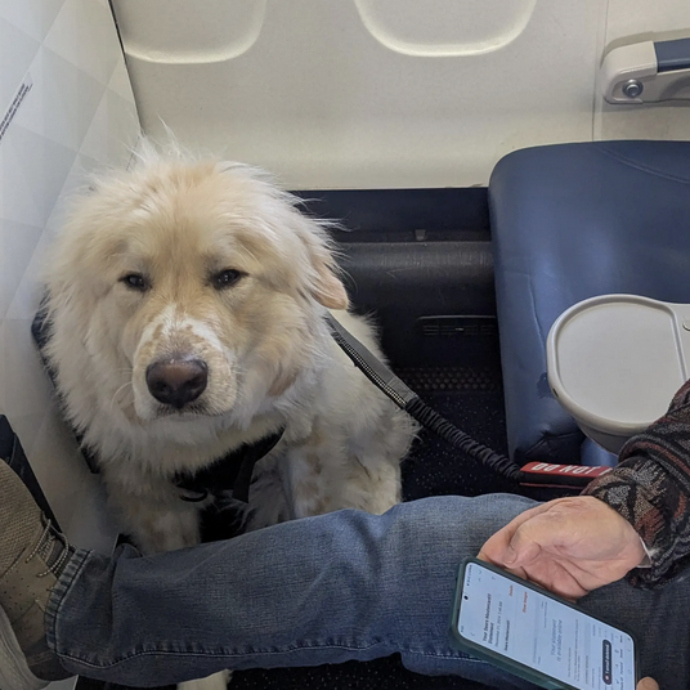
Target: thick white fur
178 221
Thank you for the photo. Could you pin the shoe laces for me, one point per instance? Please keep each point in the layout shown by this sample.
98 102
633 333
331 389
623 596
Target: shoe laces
44 548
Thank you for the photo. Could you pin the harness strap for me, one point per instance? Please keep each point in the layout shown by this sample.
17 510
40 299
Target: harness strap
234 471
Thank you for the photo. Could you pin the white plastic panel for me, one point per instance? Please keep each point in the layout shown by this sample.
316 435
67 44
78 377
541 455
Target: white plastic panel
67 108
366 93
385 93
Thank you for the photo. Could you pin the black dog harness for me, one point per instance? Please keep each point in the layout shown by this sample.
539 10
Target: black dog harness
234 471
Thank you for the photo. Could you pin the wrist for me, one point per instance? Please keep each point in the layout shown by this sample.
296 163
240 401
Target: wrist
633 548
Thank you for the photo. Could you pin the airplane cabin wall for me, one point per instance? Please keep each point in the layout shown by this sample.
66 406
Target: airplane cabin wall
385 93
67 109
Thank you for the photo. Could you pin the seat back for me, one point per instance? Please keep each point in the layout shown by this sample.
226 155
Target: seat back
571 222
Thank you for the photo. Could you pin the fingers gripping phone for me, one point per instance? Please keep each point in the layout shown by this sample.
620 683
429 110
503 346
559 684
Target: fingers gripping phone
528 631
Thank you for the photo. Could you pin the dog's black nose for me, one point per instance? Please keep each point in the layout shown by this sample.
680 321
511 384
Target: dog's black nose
177 382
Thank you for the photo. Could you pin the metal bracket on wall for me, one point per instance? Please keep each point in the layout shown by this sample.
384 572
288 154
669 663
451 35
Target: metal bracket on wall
647 72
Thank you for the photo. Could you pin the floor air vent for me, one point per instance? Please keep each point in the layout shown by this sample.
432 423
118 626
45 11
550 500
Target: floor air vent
457 326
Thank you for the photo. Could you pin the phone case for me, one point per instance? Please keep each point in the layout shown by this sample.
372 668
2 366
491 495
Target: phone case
525 672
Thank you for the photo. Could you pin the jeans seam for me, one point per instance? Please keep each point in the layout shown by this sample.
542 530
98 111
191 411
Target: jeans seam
194 654
267 652
55 603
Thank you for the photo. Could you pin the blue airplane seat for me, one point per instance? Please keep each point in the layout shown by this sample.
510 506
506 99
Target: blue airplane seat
570 222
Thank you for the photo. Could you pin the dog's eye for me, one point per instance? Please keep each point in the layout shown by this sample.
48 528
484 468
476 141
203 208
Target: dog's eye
135 281
225 278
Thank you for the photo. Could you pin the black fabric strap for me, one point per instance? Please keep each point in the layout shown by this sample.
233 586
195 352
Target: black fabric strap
234 471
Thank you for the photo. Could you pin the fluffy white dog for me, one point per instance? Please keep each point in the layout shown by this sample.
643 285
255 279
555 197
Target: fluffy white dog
187 301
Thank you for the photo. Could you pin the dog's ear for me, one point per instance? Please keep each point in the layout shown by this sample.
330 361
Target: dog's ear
329 290
325 286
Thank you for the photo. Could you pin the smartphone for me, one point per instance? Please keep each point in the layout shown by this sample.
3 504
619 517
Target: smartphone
534 634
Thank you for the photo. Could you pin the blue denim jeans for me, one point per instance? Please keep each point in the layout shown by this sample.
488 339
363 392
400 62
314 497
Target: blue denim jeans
328 589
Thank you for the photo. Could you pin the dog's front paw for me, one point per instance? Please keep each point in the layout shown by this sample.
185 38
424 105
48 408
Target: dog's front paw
217 681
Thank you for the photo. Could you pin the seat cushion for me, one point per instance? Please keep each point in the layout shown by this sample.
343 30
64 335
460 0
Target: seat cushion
570 222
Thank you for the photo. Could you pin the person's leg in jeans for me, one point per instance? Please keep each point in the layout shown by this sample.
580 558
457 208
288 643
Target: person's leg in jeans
323 590
659 619
338 587
327 589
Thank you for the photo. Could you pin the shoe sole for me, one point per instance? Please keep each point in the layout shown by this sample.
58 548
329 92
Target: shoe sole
14 671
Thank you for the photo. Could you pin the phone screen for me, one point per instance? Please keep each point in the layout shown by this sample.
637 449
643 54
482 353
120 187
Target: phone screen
520 623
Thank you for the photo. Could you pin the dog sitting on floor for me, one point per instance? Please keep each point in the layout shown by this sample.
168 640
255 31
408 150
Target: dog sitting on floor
187 302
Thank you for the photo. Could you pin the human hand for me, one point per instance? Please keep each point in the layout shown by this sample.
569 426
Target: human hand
647 684
570 546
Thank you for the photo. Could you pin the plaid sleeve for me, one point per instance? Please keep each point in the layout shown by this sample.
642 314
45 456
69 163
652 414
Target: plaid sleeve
651 489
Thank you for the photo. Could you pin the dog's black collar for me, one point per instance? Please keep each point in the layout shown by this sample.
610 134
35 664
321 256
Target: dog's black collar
234 471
